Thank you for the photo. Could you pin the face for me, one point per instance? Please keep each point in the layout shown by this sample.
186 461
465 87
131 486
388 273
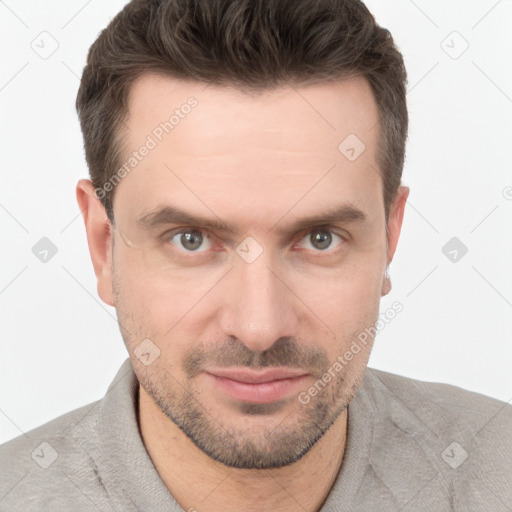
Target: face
246 241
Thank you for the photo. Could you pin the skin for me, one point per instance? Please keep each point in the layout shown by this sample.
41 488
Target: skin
260 162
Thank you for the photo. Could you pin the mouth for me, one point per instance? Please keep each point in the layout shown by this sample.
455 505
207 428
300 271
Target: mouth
260 387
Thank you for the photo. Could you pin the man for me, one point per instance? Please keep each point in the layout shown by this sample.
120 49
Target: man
245 202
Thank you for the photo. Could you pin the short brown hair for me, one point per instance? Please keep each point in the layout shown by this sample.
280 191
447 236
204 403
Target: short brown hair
251 44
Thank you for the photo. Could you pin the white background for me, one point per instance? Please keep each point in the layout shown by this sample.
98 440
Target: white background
61 345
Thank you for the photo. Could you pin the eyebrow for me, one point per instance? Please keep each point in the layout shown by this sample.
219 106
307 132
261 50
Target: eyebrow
172 215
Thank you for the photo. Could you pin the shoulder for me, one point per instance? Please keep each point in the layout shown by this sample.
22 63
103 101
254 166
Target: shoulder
47 467
460 439
440 405
64 427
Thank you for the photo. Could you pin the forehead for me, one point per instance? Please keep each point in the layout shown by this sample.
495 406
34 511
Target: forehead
302 117
230 152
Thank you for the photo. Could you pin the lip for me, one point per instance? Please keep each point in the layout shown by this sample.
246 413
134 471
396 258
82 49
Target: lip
253 377
257 387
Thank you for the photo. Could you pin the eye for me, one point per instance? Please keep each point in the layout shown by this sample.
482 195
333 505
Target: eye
193 240
321 239
190 240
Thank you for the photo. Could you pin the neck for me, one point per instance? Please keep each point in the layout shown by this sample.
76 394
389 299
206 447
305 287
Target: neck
197 482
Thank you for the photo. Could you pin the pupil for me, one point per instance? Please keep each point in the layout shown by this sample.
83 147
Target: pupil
322 239
191 241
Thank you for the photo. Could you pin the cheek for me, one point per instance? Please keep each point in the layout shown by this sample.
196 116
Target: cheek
160 305
347 292
139 296
348 303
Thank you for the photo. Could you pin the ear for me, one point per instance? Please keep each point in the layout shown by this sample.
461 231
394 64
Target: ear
99 238
394 226
396 215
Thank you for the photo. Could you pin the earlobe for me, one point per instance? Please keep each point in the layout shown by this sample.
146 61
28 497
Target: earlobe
99 238
386 284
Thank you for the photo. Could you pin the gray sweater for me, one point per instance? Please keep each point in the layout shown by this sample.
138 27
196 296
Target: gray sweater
411 446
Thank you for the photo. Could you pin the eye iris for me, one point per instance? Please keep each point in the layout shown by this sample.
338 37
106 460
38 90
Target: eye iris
321 239
192 240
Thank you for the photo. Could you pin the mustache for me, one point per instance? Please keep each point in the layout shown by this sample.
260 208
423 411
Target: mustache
284 352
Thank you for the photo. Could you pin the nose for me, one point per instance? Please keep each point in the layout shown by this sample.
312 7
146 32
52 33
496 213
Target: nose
259 307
